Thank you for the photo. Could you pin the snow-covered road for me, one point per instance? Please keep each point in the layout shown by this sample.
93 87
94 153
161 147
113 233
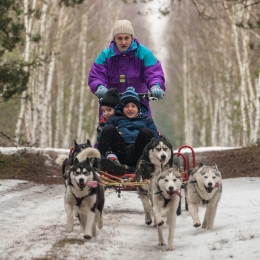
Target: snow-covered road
33 222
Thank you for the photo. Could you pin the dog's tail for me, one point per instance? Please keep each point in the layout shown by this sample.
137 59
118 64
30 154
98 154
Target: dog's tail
88 153
61 159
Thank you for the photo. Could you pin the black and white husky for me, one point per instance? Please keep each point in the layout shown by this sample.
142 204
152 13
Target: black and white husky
80 151
166 187
157 156
204 188
84 195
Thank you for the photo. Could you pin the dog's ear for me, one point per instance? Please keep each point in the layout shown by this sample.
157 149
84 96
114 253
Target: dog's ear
175 166
163 137
87 161
69 179
76 161
200 165
214 165
75 144
90 161
153 139
88 143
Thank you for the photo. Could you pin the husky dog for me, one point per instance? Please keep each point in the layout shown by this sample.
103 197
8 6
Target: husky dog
84 194
166 187
204 188
80 151
157 155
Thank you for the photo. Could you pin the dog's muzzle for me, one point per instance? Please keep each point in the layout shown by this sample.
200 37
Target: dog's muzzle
171 191
210 187
81 184
163 158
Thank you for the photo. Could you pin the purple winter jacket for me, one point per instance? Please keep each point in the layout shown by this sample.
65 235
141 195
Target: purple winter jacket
137 67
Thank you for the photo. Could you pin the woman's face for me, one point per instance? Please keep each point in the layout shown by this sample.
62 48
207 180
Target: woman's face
123 41
130 110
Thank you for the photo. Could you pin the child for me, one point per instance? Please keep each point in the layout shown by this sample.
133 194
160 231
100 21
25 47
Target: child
107 104
125 135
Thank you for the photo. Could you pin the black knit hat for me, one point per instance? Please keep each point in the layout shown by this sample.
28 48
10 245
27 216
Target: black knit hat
130 96
111 98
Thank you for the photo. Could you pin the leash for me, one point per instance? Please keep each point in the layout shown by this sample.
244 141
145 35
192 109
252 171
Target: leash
109 179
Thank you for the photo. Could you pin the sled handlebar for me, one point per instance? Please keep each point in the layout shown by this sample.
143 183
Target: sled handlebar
147 96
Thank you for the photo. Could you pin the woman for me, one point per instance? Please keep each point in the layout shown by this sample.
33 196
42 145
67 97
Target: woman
125 135
126 63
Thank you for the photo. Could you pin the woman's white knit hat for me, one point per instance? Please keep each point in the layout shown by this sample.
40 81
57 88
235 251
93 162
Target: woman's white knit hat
122 26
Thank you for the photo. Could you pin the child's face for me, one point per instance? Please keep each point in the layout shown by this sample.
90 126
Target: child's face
130 110
107 111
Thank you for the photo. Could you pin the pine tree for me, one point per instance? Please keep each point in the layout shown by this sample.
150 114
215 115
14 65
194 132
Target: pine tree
13 75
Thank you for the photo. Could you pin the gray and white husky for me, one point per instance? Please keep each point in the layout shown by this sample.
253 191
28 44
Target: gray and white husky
204 188
157 155
84 195
166 192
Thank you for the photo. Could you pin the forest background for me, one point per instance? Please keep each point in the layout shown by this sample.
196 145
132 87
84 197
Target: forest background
209 51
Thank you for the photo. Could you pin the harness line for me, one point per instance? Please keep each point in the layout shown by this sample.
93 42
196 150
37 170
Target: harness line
109 179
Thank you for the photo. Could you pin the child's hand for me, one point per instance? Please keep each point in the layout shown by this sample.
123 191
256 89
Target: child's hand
118 131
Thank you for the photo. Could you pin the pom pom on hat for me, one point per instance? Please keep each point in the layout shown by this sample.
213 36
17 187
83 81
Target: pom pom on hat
122 26
111 98
130 96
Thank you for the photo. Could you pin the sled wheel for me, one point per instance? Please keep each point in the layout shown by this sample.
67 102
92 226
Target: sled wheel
185 188
179 209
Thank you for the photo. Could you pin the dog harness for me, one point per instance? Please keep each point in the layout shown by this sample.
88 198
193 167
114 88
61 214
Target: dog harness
79 200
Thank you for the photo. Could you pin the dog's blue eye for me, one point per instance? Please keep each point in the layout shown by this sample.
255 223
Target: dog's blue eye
165 149
158 149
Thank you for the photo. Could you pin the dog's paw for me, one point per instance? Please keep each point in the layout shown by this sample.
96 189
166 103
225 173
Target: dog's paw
148 222
87 236
196 225
100 225
161 243
69 228
160 223
170 248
